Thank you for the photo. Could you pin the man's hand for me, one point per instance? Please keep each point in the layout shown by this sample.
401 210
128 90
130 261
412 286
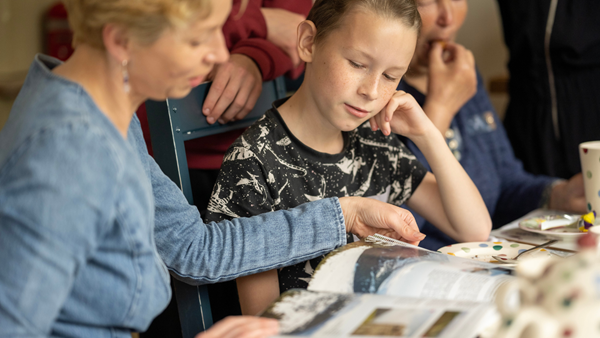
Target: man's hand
282 29
242 327
236 86
367 216
452 81
569 196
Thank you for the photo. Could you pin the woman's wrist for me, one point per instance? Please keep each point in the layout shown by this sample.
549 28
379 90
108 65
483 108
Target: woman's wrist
551 195
438 114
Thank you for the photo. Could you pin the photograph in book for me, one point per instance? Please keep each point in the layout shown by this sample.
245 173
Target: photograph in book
406 271
322 314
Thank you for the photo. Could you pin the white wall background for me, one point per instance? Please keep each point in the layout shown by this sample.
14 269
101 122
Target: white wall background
21 39
20 32
482 34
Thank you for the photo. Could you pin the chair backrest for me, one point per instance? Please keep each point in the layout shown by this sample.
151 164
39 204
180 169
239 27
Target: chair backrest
172 122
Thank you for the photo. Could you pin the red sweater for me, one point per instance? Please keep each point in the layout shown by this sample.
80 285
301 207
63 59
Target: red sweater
248 36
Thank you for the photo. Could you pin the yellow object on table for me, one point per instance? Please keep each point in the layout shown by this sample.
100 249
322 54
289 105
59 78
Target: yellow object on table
588 221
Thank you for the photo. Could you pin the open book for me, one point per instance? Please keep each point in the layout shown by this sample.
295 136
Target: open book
382 287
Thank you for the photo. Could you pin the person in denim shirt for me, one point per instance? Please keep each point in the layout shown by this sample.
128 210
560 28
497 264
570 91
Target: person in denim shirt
444 80
89 223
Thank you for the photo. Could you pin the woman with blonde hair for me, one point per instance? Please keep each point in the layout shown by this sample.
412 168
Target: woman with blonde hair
89 223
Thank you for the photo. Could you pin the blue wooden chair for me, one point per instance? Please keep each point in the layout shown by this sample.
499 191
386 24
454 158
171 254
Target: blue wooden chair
171 123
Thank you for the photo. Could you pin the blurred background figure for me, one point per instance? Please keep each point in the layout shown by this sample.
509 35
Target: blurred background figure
554 83
444 80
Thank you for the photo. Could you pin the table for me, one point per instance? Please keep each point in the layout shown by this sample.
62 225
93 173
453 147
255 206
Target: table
512 232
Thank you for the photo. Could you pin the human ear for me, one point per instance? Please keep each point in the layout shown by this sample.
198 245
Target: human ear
306 40
116 41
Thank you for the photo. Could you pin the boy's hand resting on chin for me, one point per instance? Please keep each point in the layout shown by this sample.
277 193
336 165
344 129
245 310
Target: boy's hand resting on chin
367 216
403 115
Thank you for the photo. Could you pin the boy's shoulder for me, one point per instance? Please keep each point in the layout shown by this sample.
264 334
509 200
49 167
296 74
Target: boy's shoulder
265 129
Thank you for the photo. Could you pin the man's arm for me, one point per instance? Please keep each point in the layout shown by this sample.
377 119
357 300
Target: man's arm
260 51
236 86
282 26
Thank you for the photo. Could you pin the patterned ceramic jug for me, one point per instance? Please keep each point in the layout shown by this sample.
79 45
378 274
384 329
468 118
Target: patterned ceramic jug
553 298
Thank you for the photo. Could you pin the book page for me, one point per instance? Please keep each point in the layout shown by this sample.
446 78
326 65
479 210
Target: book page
406 271
318 314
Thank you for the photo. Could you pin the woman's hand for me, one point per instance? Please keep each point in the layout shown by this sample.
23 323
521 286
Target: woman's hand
242 327
402 115
367 216
452 81
569 196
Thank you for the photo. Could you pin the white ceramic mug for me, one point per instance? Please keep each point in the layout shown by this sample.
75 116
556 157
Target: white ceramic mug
589 154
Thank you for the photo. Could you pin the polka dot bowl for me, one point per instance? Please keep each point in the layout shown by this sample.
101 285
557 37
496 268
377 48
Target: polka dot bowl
483 251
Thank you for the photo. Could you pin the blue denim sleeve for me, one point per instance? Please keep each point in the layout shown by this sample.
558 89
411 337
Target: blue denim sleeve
48 225
200 253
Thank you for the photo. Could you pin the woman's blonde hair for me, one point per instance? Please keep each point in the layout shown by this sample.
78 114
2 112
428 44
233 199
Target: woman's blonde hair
145 19
327 14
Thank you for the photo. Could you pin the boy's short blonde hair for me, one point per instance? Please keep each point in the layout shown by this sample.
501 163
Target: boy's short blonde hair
327 14
145 19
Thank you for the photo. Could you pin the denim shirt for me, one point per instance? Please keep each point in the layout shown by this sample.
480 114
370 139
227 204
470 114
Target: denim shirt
85 214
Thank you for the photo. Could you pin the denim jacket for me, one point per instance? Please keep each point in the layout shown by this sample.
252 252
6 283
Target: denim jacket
85 214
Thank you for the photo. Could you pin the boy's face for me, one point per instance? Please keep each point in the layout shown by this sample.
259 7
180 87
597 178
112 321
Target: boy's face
355 70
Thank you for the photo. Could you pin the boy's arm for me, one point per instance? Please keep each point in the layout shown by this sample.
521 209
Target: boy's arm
241 190
257 291
449 200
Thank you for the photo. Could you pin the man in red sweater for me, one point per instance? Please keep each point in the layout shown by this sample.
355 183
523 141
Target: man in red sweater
262 42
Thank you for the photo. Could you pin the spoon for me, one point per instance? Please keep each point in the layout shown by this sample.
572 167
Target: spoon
514 259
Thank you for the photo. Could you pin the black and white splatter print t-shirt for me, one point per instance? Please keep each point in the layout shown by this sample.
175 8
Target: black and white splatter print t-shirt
268 169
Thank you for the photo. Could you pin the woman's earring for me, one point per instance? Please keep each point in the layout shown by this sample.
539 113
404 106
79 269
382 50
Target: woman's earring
126 86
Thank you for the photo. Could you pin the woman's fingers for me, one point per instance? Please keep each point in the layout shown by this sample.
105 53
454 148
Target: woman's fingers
242 327
435 55
471 58
366 216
